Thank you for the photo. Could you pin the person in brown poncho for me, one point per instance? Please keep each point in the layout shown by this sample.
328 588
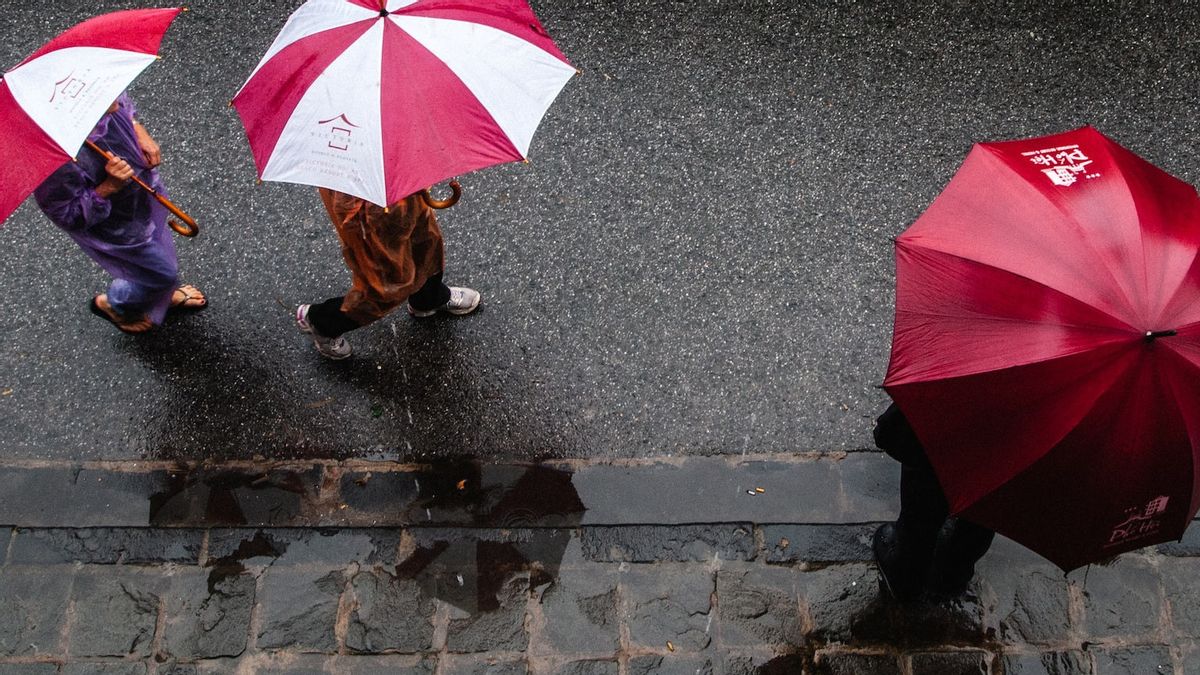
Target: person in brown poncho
394 255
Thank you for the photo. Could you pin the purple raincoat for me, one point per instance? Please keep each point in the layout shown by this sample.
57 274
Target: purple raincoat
126 234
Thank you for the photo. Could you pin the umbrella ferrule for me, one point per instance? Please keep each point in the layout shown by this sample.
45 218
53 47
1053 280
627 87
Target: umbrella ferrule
1151 335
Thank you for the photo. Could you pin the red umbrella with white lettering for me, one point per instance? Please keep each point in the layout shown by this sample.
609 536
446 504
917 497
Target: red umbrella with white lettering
383 98
1047 345
50 102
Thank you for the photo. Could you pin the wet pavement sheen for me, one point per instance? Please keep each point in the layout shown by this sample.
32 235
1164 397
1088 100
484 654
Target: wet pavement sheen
697 261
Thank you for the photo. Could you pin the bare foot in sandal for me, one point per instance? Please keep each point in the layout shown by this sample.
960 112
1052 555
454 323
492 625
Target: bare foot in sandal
101 308
188 297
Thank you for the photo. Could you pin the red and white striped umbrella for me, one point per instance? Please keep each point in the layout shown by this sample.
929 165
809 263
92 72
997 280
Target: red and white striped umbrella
383 98
51 101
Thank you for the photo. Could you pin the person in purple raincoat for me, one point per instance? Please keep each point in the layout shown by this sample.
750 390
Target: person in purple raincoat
120 226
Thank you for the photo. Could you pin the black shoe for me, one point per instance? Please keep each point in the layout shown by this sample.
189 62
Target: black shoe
903 576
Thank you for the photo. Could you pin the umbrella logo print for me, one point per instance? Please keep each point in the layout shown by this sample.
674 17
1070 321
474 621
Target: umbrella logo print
338 135
1140 523
70 87
1062 165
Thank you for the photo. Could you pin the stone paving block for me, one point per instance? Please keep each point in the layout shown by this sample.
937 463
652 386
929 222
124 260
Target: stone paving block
745 664
83 668
758 605
498 624
107 546
1027 599
679 543
28 669
208 614
35 607
387 493
1122 599
1188 546
1048 663
714 490
178 669
298 608
57 497
587 668
669 603
1189 657
275 663
818 543
922 624
871 487
382 665
205 496
296 546
837 597
786 664
1141 660
1183 594
481 665
848 663
670 665
390 614
950 663
579 613
116 611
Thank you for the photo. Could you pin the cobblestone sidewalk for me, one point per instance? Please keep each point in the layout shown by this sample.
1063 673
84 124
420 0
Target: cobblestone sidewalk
570 597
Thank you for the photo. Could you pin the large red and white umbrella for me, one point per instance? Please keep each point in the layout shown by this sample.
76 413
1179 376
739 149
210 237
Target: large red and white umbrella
51 101
383 98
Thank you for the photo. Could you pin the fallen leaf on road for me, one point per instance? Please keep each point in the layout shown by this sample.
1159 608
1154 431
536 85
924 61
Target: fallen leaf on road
6 392
670 647
318 404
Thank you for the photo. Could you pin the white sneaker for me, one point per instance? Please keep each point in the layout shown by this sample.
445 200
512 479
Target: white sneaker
331 348
462 301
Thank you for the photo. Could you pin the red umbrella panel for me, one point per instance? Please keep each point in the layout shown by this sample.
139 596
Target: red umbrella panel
1047 345
50 102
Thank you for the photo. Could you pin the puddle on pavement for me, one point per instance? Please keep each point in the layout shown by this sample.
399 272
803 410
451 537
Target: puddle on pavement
507 525
225 497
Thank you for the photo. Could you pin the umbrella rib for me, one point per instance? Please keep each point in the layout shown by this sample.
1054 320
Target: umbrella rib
960 256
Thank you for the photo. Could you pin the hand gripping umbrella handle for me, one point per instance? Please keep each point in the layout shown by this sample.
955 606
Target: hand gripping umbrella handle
446 203
185 226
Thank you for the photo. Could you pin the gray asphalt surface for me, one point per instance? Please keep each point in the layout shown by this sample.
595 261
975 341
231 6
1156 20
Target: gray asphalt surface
697 261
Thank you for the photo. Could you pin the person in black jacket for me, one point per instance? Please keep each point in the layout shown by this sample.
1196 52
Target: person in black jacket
924 550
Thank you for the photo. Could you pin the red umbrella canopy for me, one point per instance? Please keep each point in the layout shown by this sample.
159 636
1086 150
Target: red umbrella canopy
1047 344
51 101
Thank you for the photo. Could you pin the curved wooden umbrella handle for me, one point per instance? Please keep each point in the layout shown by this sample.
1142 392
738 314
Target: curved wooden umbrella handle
185 226
456 194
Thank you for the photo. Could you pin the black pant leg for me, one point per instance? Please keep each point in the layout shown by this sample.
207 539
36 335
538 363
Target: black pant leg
328 320
433 294
923 507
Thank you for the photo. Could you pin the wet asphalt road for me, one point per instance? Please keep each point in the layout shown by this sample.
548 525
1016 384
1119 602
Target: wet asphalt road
697 261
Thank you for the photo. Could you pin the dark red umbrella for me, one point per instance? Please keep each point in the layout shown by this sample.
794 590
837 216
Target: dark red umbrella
1047 345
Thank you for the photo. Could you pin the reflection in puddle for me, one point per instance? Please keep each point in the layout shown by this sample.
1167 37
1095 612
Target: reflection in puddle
232 497
535 508
504 522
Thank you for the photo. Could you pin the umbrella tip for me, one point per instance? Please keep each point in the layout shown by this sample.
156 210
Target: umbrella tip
1151 335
